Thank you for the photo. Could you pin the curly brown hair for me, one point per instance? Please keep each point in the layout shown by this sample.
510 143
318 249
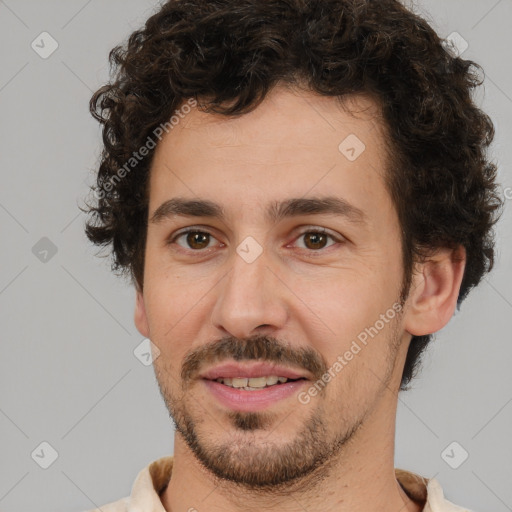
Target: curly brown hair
228 54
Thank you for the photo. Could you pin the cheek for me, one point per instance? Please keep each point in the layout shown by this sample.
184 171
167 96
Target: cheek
342 321
176 311
338 309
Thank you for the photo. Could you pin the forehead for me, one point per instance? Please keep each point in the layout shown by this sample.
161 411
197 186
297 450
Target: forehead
294 143
286 115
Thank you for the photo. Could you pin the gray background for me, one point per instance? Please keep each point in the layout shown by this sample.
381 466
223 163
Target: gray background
68 373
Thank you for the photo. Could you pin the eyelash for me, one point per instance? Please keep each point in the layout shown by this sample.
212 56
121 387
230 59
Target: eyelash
321 231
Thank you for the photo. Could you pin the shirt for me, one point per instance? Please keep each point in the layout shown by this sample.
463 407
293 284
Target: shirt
153 479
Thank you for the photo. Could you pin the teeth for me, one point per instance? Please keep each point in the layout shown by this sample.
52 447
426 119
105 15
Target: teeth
273 380
253 382
239 383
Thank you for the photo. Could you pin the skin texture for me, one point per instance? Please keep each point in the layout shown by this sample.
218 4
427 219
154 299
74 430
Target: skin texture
336 451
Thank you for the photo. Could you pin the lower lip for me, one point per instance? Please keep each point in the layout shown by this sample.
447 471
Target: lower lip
243 400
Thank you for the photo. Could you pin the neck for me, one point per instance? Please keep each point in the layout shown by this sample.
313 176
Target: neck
360 477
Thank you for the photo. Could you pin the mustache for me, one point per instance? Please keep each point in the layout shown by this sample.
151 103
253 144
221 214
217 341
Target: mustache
258 347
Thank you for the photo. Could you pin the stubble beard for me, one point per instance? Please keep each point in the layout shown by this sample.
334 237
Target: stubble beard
255 462
264 465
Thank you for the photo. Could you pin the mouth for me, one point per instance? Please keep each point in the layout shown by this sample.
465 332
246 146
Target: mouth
255 383
252 387
232 370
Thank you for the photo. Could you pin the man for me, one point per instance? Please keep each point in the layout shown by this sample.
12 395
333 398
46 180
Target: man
300 194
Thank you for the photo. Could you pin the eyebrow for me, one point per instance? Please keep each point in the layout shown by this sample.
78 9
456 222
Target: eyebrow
276 210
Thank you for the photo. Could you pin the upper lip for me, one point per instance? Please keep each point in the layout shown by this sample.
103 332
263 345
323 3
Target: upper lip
230 370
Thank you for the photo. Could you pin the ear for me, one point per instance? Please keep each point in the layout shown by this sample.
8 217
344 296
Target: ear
434 291
141 319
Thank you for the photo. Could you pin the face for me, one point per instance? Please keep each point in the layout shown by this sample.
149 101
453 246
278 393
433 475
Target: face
273 250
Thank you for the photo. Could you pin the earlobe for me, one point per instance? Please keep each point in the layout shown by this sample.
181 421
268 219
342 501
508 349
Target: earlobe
434 291
140 317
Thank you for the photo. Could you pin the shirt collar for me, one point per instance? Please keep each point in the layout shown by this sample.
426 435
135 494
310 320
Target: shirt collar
153 479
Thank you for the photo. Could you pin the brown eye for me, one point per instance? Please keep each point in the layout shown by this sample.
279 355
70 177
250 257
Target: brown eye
196 240
316 239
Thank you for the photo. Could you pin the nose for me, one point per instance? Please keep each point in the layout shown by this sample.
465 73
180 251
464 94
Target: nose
250 299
